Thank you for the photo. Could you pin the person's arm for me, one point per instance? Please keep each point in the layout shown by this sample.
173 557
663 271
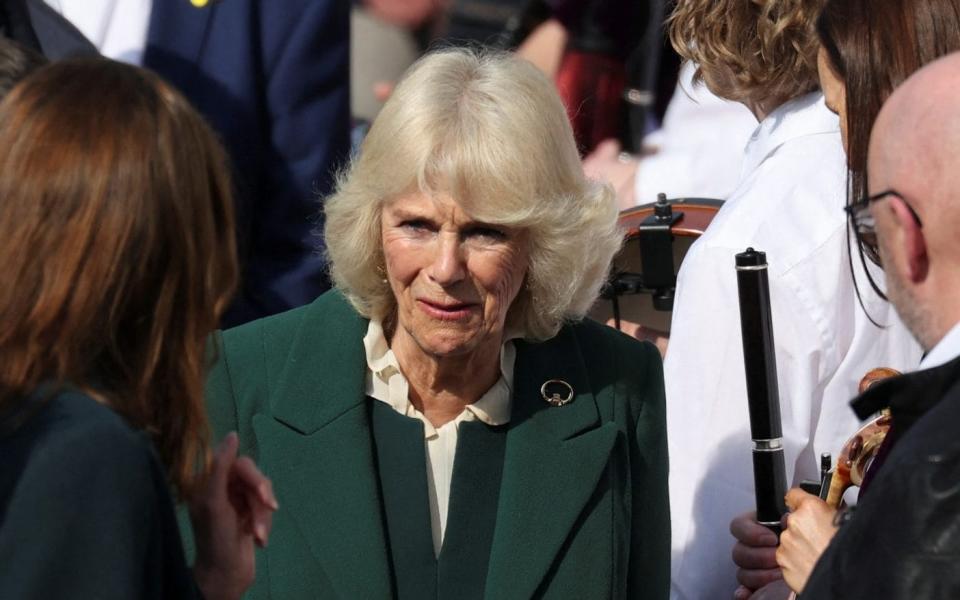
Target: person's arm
306 113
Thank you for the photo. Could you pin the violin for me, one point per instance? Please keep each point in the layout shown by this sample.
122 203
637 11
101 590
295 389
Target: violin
858 452
657 238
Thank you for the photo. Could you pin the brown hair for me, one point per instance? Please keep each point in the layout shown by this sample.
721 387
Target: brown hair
116 248
761 53
874 47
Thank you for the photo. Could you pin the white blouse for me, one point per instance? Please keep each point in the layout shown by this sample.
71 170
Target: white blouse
385 382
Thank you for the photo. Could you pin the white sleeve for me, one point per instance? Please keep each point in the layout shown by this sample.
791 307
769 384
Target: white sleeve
711 478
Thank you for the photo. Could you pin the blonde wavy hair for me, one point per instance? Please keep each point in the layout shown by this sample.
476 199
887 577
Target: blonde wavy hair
761 53
488 129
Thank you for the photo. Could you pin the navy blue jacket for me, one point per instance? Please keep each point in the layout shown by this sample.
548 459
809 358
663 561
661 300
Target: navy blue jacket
273 79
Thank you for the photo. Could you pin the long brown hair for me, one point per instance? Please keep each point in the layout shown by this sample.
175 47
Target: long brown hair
117 248
873 47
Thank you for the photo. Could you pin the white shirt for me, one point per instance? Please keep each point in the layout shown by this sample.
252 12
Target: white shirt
699 149
788 204
118 28
386 383
947 349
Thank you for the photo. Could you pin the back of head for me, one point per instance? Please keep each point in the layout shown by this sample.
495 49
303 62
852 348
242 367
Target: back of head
874 47
116 246
914 147
761 53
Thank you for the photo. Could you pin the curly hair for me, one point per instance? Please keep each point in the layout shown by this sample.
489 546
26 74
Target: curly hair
761 53
488 129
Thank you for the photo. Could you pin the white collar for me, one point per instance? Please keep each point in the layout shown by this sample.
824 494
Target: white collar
386 382
806 115
947 349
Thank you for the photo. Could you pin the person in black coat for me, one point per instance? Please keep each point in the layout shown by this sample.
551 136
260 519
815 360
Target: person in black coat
116 260
903 539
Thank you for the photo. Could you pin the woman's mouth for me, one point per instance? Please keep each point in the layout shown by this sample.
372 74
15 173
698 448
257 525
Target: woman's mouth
446 311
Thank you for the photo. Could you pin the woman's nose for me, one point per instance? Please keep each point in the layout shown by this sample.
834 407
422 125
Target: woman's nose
448 266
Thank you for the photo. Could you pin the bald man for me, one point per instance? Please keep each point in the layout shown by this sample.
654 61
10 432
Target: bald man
903 540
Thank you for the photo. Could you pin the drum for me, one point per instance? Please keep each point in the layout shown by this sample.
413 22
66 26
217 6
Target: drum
643 275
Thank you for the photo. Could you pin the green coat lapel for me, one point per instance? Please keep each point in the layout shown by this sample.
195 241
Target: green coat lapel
318 449
554 459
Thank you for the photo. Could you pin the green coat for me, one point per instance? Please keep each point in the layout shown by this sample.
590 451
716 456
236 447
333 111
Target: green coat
583 509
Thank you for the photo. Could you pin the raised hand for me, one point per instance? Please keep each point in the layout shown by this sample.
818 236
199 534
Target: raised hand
232 513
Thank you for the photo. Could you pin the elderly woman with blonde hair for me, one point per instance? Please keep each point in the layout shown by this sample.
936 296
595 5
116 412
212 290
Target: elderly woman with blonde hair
443 423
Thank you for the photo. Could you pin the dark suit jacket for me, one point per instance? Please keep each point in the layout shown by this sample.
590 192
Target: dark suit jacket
84 506
902 542
272 77
583 508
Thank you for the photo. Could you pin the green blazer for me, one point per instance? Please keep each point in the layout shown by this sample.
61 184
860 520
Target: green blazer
583 509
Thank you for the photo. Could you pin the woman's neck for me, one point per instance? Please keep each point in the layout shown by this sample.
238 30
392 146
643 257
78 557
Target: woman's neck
442 386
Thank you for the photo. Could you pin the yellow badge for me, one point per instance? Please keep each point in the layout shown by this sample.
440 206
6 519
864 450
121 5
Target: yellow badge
199 3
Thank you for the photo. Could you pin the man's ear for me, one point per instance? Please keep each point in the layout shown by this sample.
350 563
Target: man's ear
914 243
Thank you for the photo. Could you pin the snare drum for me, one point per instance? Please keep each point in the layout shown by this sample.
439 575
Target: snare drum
665 230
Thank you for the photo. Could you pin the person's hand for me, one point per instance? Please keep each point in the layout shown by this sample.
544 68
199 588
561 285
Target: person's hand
658 338
231 513
607 163
809 530
755 554
777 590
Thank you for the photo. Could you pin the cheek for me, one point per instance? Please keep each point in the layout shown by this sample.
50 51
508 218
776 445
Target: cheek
503 277
402 261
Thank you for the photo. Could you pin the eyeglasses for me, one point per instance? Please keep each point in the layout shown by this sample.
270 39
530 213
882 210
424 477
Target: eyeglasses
864 225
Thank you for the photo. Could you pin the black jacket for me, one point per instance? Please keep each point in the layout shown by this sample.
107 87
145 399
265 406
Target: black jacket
903 539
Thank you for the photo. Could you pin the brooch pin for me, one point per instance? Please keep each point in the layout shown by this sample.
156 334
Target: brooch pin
552 389
199 3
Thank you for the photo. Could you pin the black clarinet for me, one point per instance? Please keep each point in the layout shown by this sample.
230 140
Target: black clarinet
763 395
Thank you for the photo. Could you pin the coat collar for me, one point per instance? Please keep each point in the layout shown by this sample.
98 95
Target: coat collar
800 117
908 396
319 450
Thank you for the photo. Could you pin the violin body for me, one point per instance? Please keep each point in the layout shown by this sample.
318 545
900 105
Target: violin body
858 452
688 221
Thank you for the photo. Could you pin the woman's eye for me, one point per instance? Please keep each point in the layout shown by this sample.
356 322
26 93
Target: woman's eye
415 225
490 233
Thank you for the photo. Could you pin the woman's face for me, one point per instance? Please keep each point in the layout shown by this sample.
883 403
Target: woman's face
454 278
834 91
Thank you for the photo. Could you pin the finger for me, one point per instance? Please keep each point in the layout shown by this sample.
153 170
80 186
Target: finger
755 579
223 457
795 497
247 473
753 557
741 593
254 500
746 529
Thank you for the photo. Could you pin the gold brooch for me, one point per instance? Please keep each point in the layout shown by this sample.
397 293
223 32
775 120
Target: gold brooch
551 391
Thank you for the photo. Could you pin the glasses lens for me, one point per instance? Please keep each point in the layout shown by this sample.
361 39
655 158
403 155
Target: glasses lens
863 226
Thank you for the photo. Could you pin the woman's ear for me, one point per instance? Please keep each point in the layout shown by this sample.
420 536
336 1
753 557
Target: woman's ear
913 241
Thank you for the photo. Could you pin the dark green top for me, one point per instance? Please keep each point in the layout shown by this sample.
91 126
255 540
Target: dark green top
84 506
582 510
